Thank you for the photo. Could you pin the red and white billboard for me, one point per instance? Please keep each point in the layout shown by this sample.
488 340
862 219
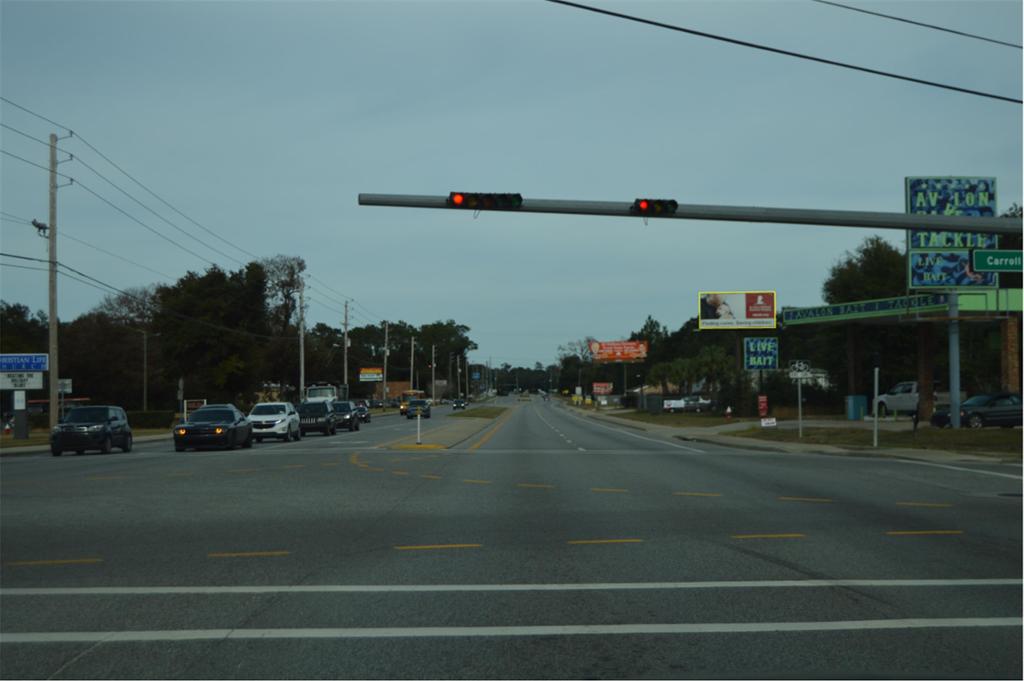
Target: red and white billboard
602 388
736 310
618 351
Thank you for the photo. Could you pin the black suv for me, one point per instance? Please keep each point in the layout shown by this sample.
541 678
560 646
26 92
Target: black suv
85 428
317 416
347 414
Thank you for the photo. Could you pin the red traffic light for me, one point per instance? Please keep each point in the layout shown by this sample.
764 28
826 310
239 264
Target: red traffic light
476 201
654 207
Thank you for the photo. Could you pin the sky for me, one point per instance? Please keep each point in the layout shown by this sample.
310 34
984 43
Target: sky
263 121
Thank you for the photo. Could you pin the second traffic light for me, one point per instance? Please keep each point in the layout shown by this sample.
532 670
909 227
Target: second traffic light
477 201
654 207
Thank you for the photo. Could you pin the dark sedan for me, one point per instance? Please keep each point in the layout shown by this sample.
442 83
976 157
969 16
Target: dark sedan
363 412
997 409
347 415
458 403
92 428
215 425
418 408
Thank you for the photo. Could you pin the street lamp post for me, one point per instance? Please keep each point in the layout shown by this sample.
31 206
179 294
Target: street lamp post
145 366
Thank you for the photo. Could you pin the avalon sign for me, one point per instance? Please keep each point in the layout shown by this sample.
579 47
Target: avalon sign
996 261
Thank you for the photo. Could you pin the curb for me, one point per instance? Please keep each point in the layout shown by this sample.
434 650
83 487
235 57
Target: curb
36 449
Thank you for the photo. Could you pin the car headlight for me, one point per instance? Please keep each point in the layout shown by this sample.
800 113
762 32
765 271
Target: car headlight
55 429
218 430
278 421
96 428
181 431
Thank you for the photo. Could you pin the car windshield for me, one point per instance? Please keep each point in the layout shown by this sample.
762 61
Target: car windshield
268 409
417 403
313 409
211 416
321 392
87 415
342 406
977 401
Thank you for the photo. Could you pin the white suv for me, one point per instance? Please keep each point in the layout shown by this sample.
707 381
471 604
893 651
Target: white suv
275 419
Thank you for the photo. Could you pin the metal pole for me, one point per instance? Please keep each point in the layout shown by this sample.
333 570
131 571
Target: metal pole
800 216
874 439
54 327
345 352
433 373
145 371
418 427
302 340
384 396
800 407
412 362
954 359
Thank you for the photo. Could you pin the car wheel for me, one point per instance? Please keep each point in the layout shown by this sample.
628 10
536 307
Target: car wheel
127 443
107 445
883 411
247 444
56 451
260 439
79 452
976 421
298 434
179 448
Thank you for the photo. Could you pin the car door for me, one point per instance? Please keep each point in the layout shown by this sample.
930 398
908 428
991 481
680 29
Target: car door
120 426
1002 411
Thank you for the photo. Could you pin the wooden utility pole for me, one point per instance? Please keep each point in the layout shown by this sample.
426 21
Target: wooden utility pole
54 365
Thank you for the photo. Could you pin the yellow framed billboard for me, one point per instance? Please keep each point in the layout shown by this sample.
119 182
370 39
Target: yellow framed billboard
736 310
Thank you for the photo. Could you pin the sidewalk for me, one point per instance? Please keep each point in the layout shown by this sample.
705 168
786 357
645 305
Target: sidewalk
718 435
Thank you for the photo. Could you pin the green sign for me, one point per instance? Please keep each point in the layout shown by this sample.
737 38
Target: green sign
996 261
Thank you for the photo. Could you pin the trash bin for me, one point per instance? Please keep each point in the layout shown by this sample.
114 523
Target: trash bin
856 407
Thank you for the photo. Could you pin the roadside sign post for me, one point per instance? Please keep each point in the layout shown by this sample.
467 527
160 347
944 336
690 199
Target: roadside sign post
874 439
418 427
20 416
799 370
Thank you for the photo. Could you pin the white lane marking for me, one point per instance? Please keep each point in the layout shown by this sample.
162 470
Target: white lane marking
581 449
414 588
505 631
958 468
641 437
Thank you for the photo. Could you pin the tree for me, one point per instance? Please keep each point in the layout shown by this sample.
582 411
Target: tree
876 270
21 330
134 307
284 280
660 373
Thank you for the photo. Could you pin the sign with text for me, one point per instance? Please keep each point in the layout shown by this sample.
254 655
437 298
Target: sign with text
371 374
736 310
937 259
761 353
865 309
619 351
762 406
24 362
602 388
21 380
64 386
996 261
768 422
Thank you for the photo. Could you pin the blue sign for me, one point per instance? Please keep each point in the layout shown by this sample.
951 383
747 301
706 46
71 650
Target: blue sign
476 376
937 259
761 353
27 362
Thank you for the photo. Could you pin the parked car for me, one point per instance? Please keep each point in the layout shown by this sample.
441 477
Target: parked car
978 411
458 404
317 417
418 408
346 414
217 425
363 412
275 419
94 427
904 397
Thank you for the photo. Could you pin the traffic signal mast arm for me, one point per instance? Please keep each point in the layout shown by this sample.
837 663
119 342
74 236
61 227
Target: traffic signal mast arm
799 216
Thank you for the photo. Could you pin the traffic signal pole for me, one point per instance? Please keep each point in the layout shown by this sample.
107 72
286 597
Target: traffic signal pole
798 216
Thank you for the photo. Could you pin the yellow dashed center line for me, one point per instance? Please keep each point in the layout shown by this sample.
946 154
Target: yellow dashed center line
785 535
432 547
179 475
375 469
109 477
497 426
328 465
696 494
429 476
66 561
295 465
478 482
922 504
399 472
617 490
242 470
605 541
913 533
531 485
813 500
247 554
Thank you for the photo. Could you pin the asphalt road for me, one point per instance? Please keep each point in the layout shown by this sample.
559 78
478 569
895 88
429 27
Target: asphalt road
548 545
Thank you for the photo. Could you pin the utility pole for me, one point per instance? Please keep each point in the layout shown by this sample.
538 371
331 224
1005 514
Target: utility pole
384 392
302 340
954 360
433 381
145 372
458 376
412 363
345 354
54 365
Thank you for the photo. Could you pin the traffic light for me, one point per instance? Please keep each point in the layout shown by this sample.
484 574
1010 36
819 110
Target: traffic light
474 201
654 207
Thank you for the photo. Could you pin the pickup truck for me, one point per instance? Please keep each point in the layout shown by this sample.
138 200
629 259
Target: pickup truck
903 397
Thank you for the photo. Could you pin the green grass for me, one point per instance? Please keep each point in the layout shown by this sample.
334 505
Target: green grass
481 412
681 419
42 437
1005 442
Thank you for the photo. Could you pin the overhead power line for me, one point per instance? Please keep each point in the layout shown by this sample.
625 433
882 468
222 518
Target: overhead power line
918 23
788 53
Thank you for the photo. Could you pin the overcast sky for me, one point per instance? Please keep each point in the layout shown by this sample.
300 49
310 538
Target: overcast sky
263 121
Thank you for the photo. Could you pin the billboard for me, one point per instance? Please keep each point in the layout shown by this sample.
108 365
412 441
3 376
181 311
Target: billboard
371 374
736 310
761 353
618 351
937 259
602 388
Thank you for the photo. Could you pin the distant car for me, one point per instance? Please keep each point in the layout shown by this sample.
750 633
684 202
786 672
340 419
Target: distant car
394 402
363 412
376 404
696 404
317 417
347 415
275 419
99 427
216 425
978 411
418 408
458 404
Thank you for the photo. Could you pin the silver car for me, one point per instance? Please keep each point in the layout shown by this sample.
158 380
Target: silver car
275 419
